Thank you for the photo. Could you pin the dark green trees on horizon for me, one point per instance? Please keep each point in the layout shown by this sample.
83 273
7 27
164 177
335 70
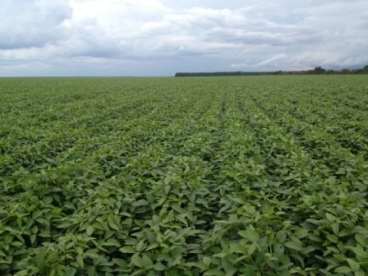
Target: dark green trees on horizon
317 70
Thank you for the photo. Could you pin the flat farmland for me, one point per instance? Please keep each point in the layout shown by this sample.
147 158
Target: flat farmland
263 175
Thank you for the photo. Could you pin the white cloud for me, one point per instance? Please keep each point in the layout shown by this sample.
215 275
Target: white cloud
162 35
32 23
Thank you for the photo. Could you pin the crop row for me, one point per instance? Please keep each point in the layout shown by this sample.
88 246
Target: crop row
206 176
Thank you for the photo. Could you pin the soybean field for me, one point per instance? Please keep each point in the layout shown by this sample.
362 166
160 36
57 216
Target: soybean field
264 175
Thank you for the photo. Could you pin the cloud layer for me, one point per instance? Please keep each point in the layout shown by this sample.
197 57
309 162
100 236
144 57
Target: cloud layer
160 37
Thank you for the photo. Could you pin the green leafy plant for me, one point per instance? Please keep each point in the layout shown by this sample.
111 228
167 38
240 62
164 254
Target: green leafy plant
262 175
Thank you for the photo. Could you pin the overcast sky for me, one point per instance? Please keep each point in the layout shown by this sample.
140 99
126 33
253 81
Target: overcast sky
161 37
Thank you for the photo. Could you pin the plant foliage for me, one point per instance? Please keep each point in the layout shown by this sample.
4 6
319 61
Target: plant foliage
204 176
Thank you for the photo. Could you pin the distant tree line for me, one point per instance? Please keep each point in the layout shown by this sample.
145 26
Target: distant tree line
316 71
